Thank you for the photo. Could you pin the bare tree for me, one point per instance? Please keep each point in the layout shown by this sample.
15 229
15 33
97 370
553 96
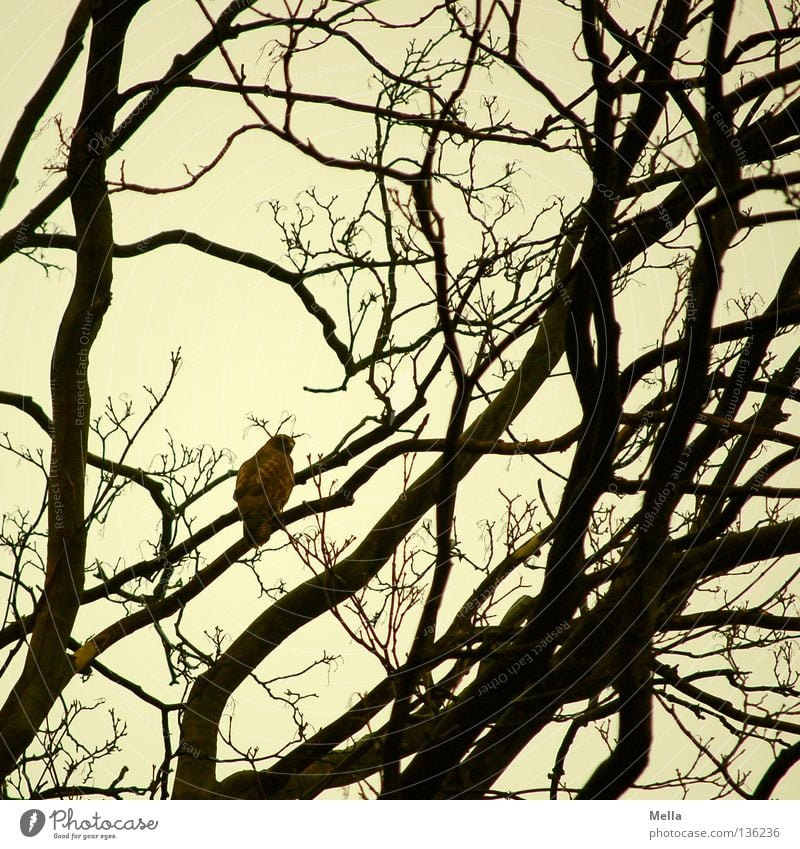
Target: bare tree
524 594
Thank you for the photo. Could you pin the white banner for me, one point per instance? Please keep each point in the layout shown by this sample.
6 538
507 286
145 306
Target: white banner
402 825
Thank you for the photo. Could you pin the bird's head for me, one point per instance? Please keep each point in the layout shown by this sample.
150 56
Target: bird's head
282 442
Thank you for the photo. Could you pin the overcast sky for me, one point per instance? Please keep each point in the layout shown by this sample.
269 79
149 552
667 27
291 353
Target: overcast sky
247 345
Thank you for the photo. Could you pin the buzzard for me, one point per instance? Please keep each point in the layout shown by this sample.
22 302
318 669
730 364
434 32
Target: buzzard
263 486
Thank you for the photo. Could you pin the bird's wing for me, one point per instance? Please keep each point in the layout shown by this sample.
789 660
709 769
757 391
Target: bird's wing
272 474
247 482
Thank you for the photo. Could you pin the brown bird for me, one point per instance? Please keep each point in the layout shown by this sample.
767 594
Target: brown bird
263 486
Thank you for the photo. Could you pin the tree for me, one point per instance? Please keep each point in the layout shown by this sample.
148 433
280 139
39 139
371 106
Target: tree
569 400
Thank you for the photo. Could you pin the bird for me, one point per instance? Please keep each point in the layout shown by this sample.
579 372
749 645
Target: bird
263 486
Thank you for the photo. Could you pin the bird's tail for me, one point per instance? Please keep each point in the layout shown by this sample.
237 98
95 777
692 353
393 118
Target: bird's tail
258 532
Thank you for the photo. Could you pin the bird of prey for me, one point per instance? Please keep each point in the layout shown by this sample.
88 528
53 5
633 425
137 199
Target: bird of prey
263 486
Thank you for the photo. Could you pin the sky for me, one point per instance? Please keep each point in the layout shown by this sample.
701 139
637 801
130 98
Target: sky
247 346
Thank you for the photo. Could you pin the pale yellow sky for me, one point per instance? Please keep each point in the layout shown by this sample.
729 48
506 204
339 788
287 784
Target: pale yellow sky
247 344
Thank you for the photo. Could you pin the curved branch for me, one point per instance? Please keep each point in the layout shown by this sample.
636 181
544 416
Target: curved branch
776 771
160 609
748 618
34 109
47 669
155 488
722 706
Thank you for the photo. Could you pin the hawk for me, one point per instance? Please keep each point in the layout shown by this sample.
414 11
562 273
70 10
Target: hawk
263 486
